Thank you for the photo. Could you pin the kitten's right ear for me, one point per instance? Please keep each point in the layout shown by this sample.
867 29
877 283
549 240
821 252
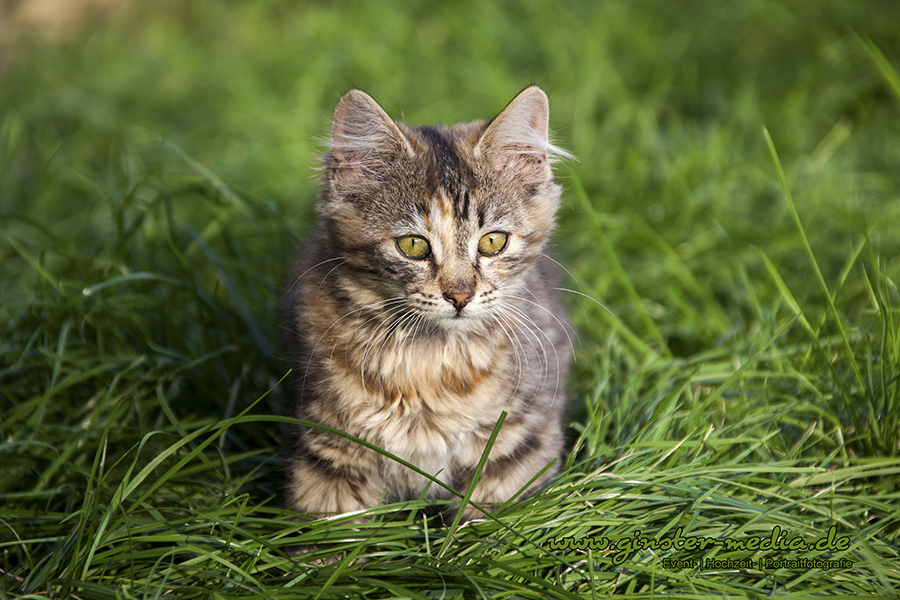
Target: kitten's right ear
363 138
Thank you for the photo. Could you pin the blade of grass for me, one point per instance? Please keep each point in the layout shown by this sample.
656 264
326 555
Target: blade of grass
615 264
887 70
472 485
773 153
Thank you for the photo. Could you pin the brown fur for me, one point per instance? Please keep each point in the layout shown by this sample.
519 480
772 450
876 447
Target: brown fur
420 356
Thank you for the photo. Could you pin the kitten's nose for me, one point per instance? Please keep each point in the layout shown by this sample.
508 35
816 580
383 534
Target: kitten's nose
458 298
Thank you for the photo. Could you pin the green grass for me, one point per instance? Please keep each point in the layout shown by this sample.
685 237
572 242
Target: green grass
731 228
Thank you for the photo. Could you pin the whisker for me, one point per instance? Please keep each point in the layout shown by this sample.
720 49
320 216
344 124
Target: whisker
527 323
552 345
418 321
373 305
561 266
503 318
564 326
515 345
299 277
575 279
373 338
591 298
511 319
321 283
395 332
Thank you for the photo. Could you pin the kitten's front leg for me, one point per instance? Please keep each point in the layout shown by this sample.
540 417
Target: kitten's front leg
317 488
505 475
327 474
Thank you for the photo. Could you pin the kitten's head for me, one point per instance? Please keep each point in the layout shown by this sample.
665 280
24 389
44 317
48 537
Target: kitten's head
450 219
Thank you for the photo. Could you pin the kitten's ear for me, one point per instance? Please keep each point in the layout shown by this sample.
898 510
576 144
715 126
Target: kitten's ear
363 138
517 140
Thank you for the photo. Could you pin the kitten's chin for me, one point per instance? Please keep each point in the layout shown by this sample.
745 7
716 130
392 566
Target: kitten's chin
462 322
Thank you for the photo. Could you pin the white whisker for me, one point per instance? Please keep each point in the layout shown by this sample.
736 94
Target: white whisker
299 277
527 322
510 334
591 298
560 265
321 283
564 326
373 337
511 319
373 305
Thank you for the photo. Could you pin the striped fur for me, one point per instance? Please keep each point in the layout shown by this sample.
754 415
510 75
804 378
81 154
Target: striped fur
419 356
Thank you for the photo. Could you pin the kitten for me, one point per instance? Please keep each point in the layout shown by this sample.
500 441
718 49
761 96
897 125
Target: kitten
423 306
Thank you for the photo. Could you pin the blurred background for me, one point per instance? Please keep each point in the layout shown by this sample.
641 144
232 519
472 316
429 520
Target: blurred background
247 88
662 104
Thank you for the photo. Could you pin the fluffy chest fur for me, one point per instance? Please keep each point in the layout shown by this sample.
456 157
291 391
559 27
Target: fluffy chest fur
429 398
423 307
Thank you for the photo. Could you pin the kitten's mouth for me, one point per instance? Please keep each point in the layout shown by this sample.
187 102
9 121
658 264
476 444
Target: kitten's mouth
456 317
458 321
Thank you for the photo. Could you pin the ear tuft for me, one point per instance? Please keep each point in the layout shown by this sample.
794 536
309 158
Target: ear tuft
517 140
363 138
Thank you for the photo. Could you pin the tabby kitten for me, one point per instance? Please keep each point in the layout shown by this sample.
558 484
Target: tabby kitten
423 306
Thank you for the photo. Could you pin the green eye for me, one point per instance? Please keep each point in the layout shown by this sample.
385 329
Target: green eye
492 243
413 246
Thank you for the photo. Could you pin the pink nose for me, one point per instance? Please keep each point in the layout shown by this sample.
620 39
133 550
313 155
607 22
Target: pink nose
458 299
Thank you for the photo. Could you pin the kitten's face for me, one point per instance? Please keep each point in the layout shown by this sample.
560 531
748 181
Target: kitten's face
457 261
445 220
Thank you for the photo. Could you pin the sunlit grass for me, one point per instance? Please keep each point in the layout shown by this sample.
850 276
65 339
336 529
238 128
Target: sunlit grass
730 234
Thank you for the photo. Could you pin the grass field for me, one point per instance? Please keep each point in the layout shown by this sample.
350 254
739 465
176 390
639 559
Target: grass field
731 228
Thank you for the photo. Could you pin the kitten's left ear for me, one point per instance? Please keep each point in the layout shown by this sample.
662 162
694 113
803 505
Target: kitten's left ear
517 140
